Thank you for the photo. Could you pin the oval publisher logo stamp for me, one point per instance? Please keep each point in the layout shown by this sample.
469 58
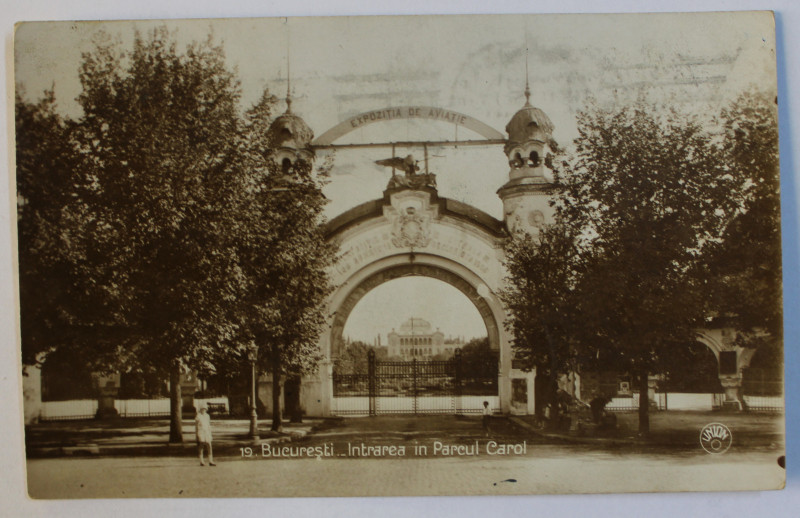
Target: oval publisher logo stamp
715 438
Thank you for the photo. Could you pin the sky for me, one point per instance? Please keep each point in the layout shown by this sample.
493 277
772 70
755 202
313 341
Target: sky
392 303
478 66
474 65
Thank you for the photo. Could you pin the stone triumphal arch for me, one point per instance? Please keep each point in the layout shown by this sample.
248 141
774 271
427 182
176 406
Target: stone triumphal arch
412 231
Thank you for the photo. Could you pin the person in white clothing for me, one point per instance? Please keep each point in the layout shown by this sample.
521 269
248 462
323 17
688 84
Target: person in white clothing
487 414
203 430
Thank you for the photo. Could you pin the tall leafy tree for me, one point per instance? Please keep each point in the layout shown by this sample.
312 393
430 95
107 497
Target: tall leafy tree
353 359
649 192
157 138
282 254
745 266
541 302
45 160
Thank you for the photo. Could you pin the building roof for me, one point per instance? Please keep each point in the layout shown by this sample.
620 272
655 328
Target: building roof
529 123
291 131
415 326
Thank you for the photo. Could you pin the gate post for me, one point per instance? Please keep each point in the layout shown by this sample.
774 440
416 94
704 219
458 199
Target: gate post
457 380
372 385
414 374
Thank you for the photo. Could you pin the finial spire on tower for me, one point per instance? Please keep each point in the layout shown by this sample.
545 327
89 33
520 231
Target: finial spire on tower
288 71
527 76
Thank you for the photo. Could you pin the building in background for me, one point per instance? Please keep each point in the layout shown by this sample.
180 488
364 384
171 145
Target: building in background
417 339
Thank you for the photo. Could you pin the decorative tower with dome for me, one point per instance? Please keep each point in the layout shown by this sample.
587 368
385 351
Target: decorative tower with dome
526 195
290 141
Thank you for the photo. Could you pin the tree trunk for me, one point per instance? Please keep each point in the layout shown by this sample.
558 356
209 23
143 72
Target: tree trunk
277 425
556 416
644 403
292 399
175 403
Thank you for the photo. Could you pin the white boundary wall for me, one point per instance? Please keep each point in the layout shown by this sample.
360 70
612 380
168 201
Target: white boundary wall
87 408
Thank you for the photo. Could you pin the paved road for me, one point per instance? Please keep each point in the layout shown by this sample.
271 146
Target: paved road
541 469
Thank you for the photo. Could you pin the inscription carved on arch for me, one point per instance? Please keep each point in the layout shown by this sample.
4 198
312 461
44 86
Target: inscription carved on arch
407 112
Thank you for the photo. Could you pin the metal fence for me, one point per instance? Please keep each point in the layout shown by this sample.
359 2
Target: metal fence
668 401
142 407
695 402
416 387
67 410
87 408
764 403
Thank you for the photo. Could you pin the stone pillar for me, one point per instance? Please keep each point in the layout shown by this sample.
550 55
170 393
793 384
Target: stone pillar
732 385
264 395
504 392
732 362
107 387
531 392
652 386
326 387
504 383
31 392
521 396
189 385
732 359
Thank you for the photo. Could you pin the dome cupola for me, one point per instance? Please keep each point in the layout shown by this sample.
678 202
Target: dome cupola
290 131
290 139
529 123
530 138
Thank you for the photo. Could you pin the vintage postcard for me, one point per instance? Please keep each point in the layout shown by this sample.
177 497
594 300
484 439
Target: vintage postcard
400 255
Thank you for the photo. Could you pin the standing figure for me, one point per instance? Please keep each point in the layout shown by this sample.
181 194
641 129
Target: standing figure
203 430
487 414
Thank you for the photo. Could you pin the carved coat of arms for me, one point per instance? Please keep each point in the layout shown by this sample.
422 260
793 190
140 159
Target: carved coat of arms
411 229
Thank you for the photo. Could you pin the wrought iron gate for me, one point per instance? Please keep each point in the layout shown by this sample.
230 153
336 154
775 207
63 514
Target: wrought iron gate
416 387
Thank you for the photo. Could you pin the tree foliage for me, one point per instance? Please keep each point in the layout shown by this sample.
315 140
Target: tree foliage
282 254
620 281
479 362
49 291
650 193
540 298
353 358
542 302
157 138
744 268
159 227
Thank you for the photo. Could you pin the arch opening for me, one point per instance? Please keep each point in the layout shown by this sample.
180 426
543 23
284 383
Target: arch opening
418 369
414 270
696 370
412 317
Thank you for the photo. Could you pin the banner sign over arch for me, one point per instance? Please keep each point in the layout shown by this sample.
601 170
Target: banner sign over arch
407 112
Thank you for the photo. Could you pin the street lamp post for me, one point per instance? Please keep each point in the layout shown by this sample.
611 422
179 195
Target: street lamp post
252 355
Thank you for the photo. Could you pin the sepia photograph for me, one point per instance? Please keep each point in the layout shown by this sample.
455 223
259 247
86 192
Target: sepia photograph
380 256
